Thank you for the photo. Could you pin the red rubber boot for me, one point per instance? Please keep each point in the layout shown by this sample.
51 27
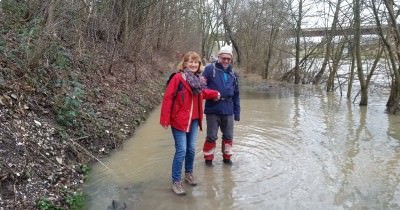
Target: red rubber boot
227 151
208 150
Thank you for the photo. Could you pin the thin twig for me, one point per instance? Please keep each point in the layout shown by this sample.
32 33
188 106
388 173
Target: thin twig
90 154
355 97
15 193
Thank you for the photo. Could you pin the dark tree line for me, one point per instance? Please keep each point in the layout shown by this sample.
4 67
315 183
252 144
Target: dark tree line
267 35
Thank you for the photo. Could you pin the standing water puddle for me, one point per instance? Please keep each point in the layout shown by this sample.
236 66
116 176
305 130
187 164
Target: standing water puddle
292 150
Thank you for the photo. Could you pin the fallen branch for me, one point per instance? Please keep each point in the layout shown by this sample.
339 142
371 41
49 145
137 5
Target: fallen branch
90 154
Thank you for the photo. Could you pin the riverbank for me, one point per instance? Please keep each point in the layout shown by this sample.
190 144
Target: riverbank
43 162
42 165
56 120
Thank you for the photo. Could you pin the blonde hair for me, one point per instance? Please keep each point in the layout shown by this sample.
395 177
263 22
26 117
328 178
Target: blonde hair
191 55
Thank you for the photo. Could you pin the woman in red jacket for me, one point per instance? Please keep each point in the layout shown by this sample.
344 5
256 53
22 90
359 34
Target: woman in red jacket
182 109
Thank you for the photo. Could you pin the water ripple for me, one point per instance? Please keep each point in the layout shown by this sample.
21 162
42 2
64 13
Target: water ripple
308 152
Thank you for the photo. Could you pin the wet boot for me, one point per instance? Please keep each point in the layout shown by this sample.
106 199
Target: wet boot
189 178
177 188
208 150
227 151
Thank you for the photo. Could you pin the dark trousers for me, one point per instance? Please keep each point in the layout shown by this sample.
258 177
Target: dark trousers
214 123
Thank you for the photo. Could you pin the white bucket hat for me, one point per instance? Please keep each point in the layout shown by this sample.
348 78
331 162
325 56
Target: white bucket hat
226 50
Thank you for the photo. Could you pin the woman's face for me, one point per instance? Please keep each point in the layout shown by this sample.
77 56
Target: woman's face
193 65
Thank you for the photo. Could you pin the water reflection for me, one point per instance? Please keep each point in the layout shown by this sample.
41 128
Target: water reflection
294 149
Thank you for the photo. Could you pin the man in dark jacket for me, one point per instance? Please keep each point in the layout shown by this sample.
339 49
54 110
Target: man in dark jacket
221 114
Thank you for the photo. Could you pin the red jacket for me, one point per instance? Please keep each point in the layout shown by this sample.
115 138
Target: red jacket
176 108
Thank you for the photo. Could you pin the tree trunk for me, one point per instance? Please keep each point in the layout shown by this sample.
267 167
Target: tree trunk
228 30
334 69
329 37
394 99
357 35
298 33
351 77
393 50
269 50
41 44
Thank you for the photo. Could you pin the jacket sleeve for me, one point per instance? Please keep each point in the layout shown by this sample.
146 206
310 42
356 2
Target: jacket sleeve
236 100
166 106
209 94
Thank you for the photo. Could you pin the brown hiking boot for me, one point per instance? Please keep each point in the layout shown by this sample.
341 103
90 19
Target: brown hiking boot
178 188
189 178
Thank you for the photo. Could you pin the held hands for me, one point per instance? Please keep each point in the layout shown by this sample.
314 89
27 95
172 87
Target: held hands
218 97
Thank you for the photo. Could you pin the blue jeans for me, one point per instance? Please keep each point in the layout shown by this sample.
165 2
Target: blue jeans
185 144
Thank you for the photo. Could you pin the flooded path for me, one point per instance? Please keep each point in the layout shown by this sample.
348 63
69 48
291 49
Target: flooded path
293 149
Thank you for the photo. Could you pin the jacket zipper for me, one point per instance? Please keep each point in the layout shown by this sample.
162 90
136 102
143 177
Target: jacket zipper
190 116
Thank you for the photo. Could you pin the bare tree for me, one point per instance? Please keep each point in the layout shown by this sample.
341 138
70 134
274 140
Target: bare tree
227 16
329 36
297 42
275 21
209 22
333 69
250 35
357 35
298 11
391 42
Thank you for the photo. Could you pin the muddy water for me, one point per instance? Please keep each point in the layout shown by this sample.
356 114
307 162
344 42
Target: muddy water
294 149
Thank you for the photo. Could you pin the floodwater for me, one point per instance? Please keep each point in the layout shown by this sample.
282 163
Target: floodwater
293 149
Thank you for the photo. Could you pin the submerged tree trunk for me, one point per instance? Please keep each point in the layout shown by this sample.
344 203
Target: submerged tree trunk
393 102
352 68
394 99
298 32
269 51
357 38
392 44
334 69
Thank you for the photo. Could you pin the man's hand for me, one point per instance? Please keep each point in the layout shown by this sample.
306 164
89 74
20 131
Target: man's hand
218 97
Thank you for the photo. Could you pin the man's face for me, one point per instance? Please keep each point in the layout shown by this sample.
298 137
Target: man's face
225 60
